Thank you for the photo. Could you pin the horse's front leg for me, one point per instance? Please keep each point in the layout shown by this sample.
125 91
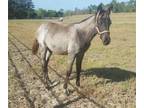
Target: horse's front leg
71 58
79 59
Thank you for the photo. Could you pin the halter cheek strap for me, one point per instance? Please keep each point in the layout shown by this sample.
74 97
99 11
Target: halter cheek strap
99 32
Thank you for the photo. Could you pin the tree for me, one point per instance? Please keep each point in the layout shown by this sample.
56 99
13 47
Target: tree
132 5
25 9
20 9
30 9
115 6
41 13
129 6
60 13
68 13
52 13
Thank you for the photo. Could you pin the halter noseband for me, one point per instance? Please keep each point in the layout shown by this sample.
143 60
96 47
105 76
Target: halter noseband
99 32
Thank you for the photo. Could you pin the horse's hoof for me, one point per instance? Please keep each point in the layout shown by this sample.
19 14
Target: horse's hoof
67 92
78 84
45 81
65 86
48 87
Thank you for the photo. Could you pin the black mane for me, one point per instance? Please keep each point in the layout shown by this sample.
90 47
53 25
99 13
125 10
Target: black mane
83 20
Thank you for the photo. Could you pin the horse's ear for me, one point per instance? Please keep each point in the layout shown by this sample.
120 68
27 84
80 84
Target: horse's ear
110 9
99 9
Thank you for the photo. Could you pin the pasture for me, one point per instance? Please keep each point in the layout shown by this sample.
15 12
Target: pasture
107 79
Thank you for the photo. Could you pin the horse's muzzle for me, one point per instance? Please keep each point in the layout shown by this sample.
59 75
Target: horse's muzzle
105 39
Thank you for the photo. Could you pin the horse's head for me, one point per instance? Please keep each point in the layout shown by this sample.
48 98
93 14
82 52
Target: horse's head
103 23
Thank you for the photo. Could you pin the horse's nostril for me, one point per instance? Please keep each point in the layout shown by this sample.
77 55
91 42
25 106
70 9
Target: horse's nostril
106 41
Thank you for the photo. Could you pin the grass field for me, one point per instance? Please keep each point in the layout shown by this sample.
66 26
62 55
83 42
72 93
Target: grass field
108 71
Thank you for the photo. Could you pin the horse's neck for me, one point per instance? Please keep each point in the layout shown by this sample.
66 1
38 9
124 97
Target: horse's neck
85 24
88 28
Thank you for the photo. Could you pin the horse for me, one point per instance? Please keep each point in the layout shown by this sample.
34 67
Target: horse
73 40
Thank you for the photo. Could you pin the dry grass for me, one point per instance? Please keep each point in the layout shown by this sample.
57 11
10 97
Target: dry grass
120 53
109 72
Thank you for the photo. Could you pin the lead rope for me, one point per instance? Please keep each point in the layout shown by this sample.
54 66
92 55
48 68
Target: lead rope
105 31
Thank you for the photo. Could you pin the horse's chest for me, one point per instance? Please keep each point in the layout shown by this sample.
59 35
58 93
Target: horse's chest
87 45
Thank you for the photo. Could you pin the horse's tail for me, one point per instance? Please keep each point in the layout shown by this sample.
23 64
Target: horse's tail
35 47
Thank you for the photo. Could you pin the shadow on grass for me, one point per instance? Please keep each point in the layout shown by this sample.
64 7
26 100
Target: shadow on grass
114 74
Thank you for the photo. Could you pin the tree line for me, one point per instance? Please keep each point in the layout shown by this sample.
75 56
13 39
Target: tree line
24 9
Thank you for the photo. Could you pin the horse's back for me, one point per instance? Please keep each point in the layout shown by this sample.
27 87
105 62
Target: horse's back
58 38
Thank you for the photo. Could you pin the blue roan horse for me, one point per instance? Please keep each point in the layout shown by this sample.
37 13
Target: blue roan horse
72 40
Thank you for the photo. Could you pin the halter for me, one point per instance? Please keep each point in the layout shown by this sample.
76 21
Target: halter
99 32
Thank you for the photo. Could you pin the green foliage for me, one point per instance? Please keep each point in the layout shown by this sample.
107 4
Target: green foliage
92 8
68 13
41 13
21 9
129 6
60 13
52 13
118 7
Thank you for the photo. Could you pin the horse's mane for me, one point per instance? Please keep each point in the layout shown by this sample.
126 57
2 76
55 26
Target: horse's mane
83 20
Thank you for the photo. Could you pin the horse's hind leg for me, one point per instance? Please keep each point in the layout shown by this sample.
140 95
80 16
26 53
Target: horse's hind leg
79 59
71 58
45 54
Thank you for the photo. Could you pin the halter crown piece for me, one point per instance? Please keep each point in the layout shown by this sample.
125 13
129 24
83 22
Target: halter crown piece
99 32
